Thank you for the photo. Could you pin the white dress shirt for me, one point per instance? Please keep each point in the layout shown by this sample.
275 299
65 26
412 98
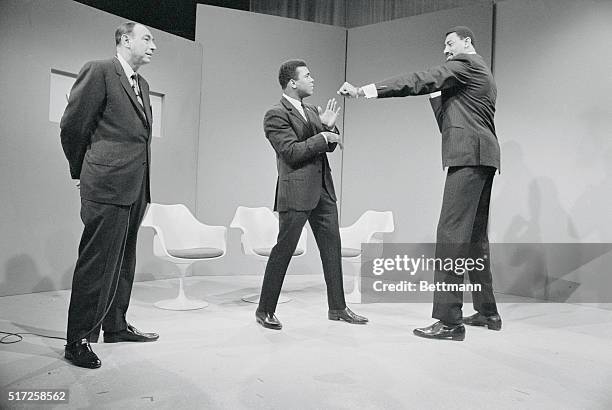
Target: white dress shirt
297 104
131 74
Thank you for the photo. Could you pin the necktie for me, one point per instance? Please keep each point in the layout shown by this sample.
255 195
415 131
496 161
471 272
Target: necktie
308 122
304 113
136 88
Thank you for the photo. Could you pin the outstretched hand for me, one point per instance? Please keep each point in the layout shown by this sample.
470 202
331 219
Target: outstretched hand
348 90
330 115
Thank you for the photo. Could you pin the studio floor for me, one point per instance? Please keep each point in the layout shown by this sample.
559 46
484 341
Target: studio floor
548 356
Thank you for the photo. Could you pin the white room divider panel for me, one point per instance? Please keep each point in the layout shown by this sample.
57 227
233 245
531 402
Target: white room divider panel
39 220
237 165
392 158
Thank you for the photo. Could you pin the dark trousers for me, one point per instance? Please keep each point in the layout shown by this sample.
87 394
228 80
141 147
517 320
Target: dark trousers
323 220
104 271
462 233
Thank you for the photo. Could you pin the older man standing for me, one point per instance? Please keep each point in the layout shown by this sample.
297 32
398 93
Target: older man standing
106 136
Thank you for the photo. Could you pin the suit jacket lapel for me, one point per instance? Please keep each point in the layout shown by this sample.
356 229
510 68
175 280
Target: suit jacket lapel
129 90
292 110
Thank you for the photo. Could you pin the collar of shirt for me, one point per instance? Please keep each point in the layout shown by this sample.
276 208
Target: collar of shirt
126 67
297 104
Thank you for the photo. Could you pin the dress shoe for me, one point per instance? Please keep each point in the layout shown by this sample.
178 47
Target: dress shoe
131 334
441 331
268 320
493 322
347 315
80 354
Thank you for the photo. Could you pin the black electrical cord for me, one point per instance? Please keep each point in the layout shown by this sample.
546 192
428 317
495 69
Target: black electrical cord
20 335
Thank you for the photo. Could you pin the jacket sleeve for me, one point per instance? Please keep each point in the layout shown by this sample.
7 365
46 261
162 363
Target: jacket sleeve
331 146
436 106
450 74
281 135
81 115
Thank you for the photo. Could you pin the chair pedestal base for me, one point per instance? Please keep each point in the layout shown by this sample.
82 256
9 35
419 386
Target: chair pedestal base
354 297
254 298
181 302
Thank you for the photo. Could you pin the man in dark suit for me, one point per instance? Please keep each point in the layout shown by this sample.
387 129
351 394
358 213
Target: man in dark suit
301 135
106 136
464 111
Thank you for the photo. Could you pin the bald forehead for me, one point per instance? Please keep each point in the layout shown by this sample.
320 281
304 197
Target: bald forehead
140 30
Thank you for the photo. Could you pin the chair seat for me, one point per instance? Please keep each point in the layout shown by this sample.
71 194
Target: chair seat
350 252
196 253
267 251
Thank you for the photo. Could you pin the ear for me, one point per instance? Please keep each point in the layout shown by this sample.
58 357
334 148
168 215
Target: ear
125 40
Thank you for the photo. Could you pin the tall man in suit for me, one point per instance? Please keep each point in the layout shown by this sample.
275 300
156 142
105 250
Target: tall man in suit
301 135
106 136
464 112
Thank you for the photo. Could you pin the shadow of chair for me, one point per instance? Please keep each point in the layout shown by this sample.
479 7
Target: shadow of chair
183 240
259 228
369 228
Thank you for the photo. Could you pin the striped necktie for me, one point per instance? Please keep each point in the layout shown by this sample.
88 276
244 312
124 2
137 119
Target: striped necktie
136 88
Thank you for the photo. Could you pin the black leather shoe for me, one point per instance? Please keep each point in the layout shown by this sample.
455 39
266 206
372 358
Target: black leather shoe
268 320
347 315
80 354
492 322
441 331
131 334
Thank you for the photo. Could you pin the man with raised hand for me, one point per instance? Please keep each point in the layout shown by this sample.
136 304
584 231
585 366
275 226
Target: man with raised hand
302 135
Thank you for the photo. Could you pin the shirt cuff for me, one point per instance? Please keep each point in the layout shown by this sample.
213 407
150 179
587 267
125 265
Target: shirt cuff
370 91
436 94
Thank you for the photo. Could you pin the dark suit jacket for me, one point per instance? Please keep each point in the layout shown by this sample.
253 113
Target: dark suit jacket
303 169
106 134
464 111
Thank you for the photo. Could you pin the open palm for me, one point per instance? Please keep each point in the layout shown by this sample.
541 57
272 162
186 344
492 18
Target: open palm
330 115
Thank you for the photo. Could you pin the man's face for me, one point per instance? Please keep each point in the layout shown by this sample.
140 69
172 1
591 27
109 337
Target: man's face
141 45
453 45
304 83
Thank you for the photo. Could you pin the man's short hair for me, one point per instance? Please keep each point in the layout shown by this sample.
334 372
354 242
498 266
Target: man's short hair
287 71
124 28
462 32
